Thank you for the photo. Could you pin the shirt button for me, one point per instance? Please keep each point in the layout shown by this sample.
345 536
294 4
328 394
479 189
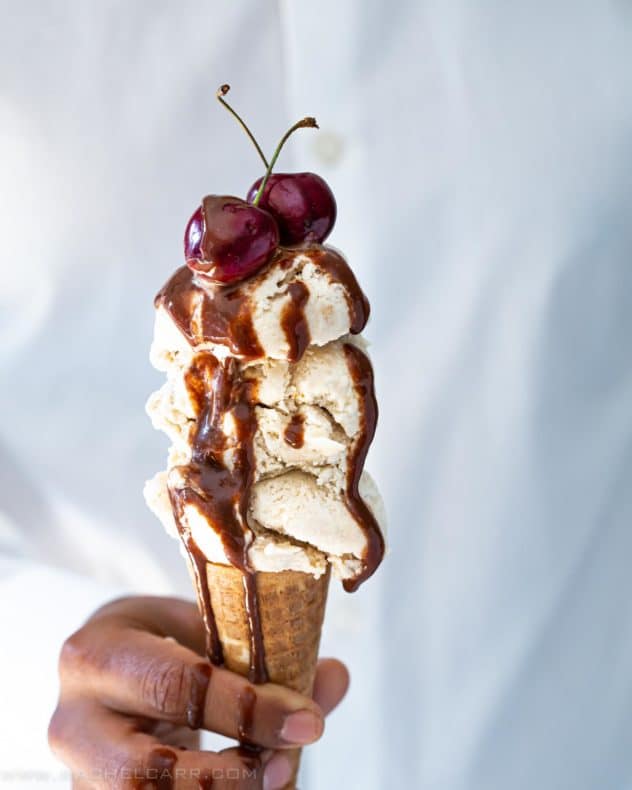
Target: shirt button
328 147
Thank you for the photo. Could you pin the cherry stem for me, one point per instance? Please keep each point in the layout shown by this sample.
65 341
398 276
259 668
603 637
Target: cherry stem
304 123
221 92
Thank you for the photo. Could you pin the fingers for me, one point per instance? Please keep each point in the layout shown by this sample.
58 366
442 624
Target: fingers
106 750
172 617
330 684
171 735
276 768
279 769
141 674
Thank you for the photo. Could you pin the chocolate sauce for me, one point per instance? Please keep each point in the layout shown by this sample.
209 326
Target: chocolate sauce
362 375
247 700
294 433
217 488
160 773
293 321
213 644
219 314
258 672
217 483
198 564
195 710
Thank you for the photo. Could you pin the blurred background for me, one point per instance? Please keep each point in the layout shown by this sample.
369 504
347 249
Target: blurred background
481 157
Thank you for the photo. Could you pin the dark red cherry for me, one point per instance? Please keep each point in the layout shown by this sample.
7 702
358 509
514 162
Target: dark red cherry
302 203
227 239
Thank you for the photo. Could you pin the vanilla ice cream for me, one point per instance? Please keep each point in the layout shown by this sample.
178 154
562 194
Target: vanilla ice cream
269 407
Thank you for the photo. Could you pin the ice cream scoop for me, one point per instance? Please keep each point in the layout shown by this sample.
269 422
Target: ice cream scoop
270 407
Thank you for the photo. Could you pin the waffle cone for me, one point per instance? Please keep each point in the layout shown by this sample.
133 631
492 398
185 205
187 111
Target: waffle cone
292 608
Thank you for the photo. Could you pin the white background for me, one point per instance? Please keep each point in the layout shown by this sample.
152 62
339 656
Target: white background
481 155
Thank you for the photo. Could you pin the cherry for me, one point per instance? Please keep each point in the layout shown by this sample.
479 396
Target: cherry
228 239
302 203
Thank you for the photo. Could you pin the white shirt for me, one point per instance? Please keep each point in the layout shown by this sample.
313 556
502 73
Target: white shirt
481 157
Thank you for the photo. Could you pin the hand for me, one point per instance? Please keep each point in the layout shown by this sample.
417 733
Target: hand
135 688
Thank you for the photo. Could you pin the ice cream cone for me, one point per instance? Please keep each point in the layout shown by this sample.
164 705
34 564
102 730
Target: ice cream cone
291 607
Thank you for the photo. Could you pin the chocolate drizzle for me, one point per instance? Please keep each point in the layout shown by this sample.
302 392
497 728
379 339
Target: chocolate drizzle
258 672
198 561
247 701
198 567
216 314
217 483
201 675
294 433
362 375
293 321
160 771
220 474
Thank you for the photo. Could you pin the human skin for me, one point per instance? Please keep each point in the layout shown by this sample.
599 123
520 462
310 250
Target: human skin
134 678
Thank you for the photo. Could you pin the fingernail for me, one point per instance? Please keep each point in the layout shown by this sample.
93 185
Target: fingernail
277 773
301 727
